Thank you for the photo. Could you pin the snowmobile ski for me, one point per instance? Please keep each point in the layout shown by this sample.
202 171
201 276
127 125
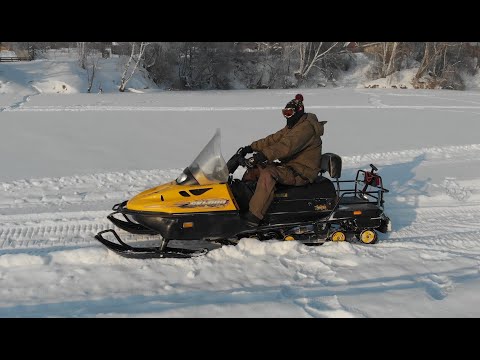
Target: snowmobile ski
132 252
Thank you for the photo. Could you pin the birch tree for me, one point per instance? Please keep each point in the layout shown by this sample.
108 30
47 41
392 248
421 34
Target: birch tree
429 55
391 62
310 55
132 63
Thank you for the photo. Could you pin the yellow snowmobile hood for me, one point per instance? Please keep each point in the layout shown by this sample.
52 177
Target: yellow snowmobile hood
172 199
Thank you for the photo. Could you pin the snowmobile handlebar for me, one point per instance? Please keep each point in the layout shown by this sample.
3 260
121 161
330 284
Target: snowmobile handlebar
235 161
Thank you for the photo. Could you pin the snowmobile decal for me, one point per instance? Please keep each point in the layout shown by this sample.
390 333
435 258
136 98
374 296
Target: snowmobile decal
204 203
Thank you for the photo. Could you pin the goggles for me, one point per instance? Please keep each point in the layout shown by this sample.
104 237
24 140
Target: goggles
288 112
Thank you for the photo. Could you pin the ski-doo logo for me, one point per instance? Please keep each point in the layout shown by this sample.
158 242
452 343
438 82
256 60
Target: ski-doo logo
204 203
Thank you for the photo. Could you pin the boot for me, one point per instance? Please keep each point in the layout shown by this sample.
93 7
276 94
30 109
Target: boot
251 220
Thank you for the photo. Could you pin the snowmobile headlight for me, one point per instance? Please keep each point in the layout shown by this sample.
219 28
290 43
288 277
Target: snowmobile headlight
181 178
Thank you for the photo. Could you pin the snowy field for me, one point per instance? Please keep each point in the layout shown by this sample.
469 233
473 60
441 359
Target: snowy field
65 159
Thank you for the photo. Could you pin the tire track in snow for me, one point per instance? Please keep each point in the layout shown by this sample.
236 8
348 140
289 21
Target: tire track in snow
54 229
19 104
84 189
451 153
98 108
116 185
23 232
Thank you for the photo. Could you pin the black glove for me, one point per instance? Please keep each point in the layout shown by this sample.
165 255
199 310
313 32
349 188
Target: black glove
245 150
257 159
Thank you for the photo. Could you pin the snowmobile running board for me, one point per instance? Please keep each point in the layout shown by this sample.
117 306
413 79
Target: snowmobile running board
131 252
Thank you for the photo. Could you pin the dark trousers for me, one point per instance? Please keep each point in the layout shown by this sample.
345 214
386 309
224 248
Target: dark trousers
266 180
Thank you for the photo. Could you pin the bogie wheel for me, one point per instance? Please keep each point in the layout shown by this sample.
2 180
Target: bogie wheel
368 236
338 236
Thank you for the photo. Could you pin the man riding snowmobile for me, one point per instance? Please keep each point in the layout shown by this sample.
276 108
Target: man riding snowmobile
298 147
205 202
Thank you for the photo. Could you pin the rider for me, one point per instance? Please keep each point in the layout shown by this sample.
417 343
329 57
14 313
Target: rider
298 147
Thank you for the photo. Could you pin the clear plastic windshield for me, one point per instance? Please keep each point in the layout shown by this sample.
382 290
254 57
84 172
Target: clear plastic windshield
209 167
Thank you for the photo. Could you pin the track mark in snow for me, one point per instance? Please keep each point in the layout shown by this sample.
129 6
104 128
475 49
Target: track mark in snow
454 190
374 99
19 104
438 287
50 229
49 232
452 153
325 307
42 192
374 105
97 187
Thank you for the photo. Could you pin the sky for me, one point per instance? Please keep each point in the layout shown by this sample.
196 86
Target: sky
67 158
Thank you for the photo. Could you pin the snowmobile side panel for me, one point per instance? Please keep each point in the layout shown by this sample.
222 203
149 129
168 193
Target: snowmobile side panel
172 198
191 226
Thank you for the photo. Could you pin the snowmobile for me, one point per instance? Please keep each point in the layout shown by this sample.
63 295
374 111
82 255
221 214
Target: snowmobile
205 202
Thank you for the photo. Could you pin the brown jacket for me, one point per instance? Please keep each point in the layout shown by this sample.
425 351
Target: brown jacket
299 147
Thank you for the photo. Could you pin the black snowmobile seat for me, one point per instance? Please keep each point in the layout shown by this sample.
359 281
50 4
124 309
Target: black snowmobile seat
321 187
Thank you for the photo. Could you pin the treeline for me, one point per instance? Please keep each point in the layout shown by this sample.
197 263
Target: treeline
253 65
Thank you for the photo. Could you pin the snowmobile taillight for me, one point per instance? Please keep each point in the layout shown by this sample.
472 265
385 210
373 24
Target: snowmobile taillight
357 212
187 225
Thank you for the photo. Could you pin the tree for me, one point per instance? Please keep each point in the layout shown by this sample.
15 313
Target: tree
135 57
82 54
310 55
91 65
443 62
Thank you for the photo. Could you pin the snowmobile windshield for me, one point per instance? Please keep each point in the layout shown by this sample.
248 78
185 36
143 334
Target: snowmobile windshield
209 167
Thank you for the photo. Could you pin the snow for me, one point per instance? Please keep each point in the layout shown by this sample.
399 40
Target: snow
66 158
7 53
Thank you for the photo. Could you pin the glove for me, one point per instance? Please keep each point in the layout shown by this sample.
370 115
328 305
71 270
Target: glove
245 150
257 159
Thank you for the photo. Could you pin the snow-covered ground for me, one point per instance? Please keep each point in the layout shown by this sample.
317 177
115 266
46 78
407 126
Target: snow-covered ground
66 159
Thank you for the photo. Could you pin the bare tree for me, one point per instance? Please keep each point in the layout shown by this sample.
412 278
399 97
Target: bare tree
390 67
310 55
91 63
443 62
429 55
386 54
136 58
82 54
